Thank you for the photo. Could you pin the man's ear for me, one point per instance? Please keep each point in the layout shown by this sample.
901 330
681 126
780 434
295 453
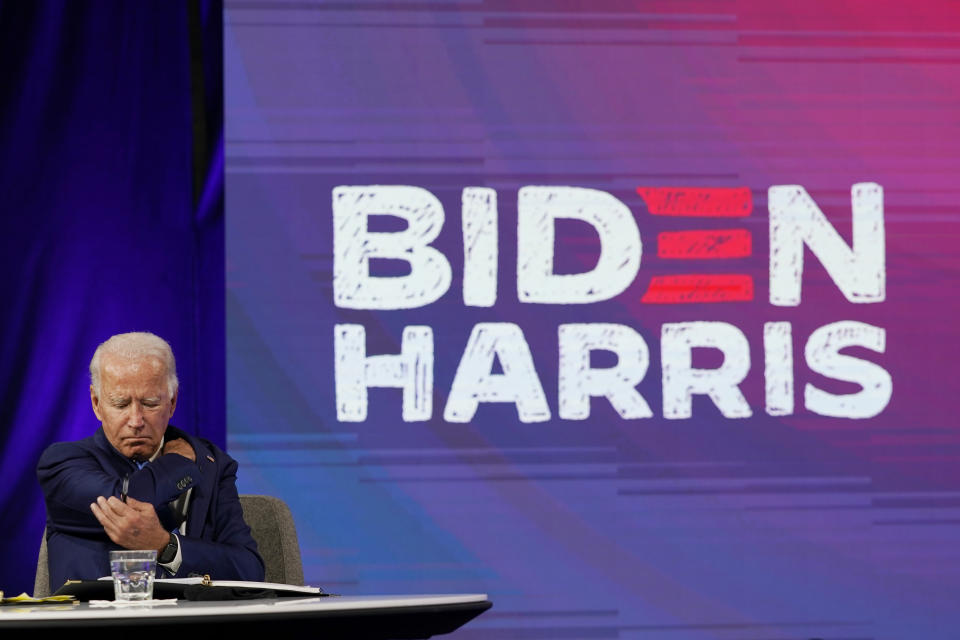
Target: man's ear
95 401
173 401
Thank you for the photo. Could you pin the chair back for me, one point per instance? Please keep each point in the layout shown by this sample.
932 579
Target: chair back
41 583
271 524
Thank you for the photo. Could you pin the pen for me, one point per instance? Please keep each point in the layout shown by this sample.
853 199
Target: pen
124 488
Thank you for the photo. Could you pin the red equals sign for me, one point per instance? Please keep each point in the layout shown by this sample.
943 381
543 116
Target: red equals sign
704 202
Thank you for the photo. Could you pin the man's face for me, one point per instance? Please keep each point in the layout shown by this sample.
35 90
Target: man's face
134 405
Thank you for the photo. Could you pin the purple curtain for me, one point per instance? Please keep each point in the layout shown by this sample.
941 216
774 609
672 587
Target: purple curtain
111 185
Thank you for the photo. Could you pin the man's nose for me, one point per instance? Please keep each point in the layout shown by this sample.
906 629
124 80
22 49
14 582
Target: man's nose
136 415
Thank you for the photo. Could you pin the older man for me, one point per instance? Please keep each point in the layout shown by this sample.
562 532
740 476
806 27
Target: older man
139 483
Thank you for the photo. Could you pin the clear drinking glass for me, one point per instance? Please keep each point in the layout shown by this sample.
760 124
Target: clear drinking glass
133 573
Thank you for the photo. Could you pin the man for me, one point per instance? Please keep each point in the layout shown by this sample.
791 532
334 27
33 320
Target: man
139 483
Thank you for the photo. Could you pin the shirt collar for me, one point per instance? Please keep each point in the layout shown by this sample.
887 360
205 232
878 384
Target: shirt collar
157 452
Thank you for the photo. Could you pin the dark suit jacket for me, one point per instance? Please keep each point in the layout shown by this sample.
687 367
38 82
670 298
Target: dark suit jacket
73 474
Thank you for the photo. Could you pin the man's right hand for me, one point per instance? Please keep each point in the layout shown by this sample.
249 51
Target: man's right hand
131 524
181 447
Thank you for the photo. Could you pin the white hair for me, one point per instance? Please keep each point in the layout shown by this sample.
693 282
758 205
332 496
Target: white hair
139 344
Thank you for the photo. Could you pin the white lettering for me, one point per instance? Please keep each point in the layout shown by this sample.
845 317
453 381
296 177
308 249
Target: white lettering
795 220
620 247
578 381
474 383
354 246
778 367
480 246
355 371
681 381
823 356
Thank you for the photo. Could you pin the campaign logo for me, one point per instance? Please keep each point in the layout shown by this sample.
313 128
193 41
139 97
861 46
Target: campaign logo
796 224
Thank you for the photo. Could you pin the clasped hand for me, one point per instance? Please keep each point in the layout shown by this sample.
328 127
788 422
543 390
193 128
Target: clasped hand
131 524
180 446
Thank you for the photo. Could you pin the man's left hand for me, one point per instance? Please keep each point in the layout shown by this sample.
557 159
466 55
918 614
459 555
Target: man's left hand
181 447
131 524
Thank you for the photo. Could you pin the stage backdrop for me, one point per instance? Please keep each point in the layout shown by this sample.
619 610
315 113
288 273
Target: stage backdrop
637 316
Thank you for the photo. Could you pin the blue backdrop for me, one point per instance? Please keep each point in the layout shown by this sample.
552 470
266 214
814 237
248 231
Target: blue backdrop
772 467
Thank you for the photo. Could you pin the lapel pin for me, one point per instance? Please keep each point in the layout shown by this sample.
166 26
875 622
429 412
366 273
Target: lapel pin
210 458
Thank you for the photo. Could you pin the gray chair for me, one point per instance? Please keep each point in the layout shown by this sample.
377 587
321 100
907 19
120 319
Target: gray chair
271 524
41 583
